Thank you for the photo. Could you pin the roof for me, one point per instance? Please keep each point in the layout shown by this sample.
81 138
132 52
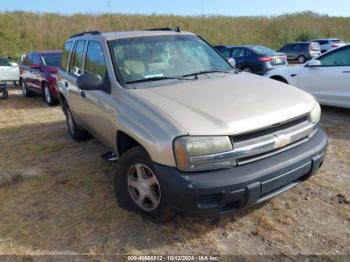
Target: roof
129 34
324 39
48 52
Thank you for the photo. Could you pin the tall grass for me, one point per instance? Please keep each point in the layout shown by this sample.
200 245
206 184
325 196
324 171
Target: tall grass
22 31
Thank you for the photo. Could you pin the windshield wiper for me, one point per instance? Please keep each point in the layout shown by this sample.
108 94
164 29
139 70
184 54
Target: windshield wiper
158 78
208 72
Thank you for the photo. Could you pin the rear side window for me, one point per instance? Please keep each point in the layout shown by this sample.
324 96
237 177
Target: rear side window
65 55
76 62
95 61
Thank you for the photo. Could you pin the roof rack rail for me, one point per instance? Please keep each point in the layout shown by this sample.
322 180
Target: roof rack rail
160 29
86 33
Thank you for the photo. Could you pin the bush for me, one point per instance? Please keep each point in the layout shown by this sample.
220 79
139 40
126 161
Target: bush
22 31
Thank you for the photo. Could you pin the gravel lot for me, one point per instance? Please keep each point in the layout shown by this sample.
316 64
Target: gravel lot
56 197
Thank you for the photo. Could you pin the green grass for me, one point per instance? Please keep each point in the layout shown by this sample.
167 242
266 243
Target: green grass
22 31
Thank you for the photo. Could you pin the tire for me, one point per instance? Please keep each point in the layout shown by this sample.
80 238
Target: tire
47 95
247 69
134 174
301 59
75 132
25 91
280 79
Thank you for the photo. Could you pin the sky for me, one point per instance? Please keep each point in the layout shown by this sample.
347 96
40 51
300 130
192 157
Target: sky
181 7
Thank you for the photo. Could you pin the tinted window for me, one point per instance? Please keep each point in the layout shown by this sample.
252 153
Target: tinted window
52 60
340 57
4 62
36 59
262 50
322 42
238 52
76 62
285 48
95 60
65 55
226 53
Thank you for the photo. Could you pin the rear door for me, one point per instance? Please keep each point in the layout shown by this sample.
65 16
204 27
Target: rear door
74 70
97 106
329 83
239 54
35 73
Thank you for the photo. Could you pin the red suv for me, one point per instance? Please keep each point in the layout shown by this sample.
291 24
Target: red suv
38 72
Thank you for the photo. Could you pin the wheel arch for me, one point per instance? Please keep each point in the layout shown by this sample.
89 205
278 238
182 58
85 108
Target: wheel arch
280 78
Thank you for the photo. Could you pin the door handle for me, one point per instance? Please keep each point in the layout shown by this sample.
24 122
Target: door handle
82 93
65 83
346 72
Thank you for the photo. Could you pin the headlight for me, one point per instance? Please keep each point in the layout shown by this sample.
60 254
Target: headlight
315 114
187 148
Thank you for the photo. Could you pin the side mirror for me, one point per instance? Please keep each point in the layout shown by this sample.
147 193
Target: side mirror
314 63
90 82
232 61
35 66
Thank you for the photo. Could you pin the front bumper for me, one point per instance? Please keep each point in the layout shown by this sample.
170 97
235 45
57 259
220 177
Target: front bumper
223 191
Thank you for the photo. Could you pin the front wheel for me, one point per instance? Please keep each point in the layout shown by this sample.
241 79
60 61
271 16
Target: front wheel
138 188
48 97
25 91
247 69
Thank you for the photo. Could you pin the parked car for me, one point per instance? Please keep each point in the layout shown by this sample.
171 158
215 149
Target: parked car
38 75
327 77
327 44
254 59
301 52
9 71
192 133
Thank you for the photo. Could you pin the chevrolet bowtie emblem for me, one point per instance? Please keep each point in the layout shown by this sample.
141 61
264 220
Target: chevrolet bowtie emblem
282 140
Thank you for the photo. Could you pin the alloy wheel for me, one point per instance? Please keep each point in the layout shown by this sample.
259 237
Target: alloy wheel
144 187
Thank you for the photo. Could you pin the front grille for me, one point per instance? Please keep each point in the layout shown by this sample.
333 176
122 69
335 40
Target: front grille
269 130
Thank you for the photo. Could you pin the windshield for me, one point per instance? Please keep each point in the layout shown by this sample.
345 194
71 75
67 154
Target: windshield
161 57
262 50
52 60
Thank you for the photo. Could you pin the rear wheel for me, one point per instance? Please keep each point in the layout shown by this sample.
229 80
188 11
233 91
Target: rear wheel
138 187
247 69
75 132
301 59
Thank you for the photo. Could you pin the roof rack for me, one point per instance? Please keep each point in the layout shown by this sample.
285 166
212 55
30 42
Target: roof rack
177 29
86 33
160 29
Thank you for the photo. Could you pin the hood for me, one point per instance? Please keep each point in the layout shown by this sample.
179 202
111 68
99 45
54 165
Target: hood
51 69
229 104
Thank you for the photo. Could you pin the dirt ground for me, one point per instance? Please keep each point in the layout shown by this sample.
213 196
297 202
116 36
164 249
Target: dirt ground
56 197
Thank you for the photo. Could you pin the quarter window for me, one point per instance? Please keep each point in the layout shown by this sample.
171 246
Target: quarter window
65 55
95 61
76 63
340 57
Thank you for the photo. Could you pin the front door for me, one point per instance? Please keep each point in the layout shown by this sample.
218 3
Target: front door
330 82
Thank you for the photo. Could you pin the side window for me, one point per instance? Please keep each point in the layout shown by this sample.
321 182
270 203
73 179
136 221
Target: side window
340 57
36 59
65 55
226 53
95 60
4 62
76 61
238 53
